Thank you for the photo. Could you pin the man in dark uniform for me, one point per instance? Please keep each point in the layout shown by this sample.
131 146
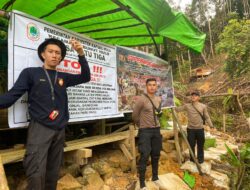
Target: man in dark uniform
48 109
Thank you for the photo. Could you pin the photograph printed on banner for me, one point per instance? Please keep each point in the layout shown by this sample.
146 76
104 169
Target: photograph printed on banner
133 69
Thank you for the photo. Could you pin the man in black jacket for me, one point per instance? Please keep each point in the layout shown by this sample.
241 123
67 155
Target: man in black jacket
48 109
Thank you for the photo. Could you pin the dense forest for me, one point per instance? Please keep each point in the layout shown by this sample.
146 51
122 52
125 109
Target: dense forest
226 24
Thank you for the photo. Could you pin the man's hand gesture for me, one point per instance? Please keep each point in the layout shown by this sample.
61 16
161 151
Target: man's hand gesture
77 46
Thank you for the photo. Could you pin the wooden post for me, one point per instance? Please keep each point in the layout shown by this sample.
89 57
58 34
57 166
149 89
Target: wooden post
103 127
176 141
79 156
3 180
125 151
132 147
224 122
185 138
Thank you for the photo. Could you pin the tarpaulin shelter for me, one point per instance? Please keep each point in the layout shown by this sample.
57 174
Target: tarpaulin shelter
117 22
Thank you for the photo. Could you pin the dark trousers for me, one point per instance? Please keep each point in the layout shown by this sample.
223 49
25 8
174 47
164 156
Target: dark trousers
196 136
43 157
150 144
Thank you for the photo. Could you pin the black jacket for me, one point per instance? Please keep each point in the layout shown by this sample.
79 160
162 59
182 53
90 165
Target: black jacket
35 82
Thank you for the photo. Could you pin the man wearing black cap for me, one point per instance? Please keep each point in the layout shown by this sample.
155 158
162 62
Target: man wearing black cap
48 109
197 116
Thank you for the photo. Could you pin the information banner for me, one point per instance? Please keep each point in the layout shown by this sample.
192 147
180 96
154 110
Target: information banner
133 69
97 99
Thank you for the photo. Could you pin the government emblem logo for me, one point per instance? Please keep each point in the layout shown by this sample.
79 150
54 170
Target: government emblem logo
33 32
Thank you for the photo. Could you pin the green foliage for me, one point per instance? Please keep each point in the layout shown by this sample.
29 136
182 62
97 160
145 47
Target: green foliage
228 100
228 103
234 161
189 179
209 142
180 86
245 152
235 42
248 114
167 115
185 70
164 119
3 82
177 102
3 34
3 48
3 28
216 117
3 23
242 164
232 15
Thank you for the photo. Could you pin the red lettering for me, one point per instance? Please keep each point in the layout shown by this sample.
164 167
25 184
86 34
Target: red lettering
75 65
65 62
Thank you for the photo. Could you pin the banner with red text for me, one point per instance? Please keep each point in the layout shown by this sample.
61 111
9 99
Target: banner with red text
97 99
133 69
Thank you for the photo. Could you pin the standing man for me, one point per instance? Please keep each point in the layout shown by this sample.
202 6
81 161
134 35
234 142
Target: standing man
150 139
48 109
197 116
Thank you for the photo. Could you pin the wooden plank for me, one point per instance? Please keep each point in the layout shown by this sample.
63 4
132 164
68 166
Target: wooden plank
117 123
13 155
176 141
132 147
97 140
3 180
103 127
78 156
122 128
125 151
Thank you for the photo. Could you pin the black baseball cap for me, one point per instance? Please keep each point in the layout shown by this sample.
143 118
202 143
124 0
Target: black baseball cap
54 41
195 92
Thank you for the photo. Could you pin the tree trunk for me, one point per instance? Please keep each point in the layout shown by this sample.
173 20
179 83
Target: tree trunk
204 57
210 38
224 121
182 59
230 6
190 64
246 8
179 68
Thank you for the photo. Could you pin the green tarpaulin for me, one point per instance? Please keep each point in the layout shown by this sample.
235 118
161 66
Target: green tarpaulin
117 22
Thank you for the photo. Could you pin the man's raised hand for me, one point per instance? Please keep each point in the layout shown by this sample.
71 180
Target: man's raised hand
77 46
